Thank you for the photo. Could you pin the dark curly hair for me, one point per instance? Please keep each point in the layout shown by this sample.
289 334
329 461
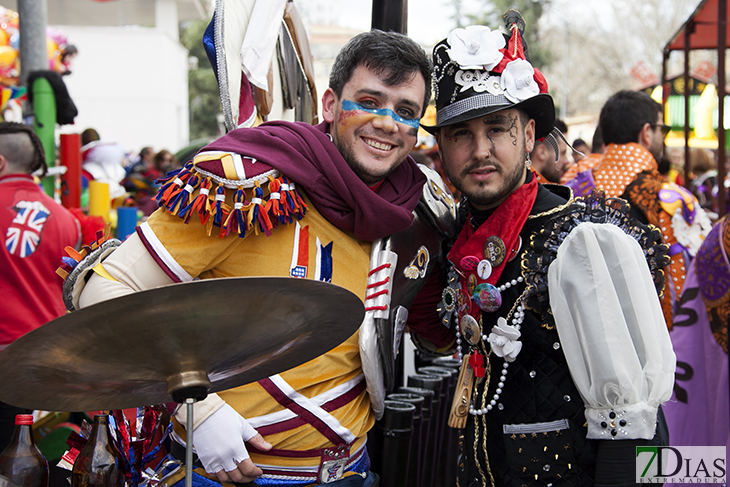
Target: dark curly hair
15 149
625 114
393 56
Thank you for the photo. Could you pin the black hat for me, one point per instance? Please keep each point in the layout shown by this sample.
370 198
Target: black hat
478 71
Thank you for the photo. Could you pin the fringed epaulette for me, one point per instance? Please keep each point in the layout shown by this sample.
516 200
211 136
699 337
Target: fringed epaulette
78 264
68 264
595 208
235 194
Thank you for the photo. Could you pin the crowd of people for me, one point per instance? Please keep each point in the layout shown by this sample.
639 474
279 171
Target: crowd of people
132 178
561 277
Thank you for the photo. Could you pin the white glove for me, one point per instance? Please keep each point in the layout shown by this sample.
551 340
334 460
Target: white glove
219 440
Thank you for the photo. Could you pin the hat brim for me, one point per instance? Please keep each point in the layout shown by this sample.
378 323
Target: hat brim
539 107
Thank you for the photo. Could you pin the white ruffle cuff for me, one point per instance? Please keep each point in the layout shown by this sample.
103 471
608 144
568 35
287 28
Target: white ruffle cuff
629 421
612 330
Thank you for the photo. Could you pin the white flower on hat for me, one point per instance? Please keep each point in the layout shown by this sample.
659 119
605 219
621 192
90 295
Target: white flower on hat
504 340
476 47
518 81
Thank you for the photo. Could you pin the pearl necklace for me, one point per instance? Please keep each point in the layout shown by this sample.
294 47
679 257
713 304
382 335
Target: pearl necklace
517 319
501 289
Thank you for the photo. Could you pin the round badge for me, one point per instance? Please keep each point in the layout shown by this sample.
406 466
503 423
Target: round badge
471 283
515 251
494 250
487 297
470 329
464 301
484 269
469 263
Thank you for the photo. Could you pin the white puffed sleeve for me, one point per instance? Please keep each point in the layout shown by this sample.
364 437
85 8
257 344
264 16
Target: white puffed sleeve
612 330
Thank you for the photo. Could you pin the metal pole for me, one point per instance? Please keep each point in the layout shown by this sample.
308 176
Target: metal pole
44 124
665 89
687 33
189 402
665 97
721 45
32 18
70 150
390 15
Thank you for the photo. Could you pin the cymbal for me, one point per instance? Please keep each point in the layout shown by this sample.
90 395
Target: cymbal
139 349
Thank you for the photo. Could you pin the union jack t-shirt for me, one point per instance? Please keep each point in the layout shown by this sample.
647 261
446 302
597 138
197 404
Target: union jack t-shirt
35 231
24 233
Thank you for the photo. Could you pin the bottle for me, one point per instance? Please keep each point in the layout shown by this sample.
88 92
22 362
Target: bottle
99 463
22 462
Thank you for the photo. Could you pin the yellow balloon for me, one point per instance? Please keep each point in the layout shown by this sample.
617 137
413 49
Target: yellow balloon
54 54
8 56
51 46
4 38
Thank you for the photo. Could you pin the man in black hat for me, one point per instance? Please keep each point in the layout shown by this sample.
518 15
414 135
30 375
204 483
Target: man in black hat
552 300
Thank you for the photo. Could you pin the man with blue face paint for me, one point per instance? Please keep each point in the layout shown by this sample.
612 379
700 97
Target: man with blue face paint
302 201
381 112
373 118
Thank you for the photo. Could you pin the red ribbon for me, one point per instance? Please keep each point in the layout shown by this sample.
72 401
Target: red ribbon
476 361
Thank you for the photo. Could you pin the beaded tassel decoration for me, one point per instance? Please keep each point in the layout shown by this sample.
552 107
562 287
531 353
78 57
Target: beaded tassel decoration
180 202
257 213
220 208
201 203
275 208
236 220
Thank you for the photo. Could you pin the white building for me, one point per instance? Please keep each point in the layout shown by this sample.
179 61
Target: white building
129 80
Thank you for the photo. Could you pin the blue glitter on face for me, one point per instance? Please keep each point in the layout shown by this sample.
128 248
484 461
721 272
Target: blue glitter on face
348 105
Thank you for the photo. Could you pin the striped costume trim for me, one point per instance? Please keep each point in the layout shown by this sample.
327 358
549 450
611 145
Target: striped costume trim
163 258
313 414
287 420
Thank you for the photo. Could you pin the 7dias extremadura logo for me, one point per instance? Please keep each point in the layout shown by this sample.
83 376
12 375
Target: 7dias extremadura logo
680 464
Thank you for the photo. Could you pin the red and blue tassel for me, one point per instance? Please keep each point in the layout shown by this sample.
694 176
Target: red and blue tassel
219 209
236 221
201 203
180 202
257 213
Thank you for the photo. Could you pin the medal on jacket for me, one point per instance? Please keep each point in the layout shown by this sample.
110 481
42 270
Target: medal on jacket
470 330
462 395
472 371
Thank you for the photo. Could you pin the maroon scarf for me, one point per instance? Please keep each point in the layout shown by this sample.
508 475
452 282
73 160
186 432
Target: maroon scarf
306 155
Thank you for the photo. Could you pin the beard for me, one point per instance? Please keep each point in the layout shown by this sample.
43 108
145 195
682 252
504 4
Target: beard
486 198
357 166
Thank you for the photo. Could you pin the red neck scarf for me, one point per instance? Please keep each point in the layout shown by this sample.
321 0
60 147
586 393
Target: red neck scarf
506 223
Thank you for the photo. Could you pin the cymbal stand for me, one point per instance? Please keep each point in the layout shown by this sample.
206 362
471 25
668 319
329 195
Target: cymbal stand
189 443
188 388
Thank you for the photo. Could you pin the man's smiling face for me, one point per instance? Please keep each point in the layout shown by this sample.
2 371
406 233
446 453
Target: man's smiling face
374 144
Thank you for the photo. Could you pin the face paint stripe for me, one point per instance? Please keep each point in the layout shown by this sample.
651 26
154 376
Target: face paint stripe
348 105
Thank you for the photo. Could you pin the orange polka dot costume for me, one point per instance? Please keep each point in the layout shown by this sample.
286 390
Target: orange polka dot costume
629 171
